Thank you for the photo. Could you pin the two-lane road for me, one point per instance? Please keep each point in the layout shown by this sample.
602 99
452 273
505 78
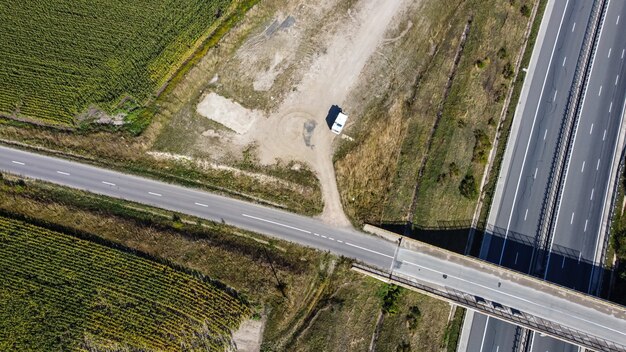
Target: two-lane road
444 271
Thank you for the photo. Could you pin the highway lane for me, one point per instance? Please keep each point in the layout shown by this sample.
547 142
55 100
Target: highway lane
580 211
518 209
532 297
494 335
521 186
542 343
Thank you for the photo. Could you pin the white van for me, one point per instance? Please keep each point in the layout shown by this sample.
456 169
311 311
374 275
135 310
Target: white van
340 121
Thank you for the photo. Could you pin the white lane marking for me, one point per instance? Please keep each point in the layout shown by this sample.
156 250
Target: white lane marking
616 79
275 223
202 205
154 194
63 173
582 169
563 263
516 256
564 59
532 129
526 214
623 53
368 250
330 238
598 165
17 162
600 91
317 234
535 175
340 241
498 348
574 26
591 198
108 183
616 22
545 134
571 221
593 65
324 236
469 282
554 98
482 343
604 135
609 55
610 106
586 221
580 254
591 129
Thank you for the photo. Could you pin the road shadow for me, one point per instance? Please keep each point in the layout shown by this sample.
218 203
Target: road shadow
562 266
332 115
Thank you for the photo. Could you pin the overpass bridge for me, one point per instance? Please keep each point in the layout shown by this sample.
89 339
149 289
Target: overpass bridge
499 292
539 305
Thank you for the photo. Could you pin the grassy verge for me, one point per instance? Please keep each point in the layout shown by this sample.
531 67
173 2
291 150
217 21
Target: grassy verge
453 330
304 294
617 247
490 186
403 120
61 292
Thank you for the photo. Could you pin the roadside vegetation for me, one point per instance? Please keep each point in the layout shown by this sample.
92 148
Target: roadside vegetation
301 296
62 292
420 148
616 253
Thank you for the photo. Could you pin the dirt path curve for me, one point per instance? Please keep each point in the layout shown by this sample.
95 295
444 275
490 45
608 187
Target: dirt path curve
298 131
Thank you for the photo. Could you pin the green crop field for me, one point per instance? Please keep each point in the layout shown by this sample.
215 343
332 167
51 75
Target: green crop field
60 57
59 293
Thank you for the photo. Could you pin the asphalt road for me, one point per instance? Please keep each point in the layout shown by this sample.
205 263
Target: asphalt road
436 271
580 213
515 212
518 210
585 191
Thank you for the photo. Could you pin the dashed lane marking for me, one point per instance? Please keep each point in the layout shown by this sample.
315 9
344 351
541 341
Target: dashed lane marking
202 205
108 183
63 173
154 194
17 162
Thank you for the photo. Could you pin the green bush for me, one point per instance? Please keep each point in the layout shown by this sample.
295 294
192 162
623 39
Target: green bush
468 187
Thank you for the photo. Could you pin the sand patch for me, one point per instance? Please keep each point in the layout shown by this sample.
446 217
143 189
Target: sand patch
228 112
249 336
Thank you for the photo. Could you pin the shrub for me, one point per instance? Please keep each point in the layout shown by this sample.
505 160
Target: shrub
468 187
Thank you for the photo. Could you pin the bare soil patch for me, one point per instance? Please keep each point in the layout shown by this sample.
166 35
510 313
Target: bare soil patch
276 88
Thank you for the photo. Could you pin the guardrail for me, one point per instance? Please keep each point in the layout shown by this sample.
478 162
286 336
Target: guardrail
572 113
496 310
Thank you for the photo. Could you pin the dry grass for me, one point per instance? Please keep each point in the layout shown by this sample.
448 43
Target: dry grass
407 94
474 103
320 292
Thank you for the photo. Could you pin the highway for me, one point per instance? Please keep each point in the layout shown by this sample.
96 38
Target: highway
523 180
575 243
580 212
458 273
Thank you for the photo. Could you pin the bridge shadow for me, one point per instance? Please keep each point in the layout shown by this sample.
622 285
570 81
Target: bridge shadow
562 266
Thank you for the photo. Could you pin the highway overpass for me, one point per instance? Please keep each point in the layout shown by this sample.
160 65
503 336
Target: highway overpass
570 315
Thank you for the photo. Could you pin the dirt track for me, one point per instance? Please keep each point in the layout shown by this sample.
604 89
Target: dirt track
296 129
